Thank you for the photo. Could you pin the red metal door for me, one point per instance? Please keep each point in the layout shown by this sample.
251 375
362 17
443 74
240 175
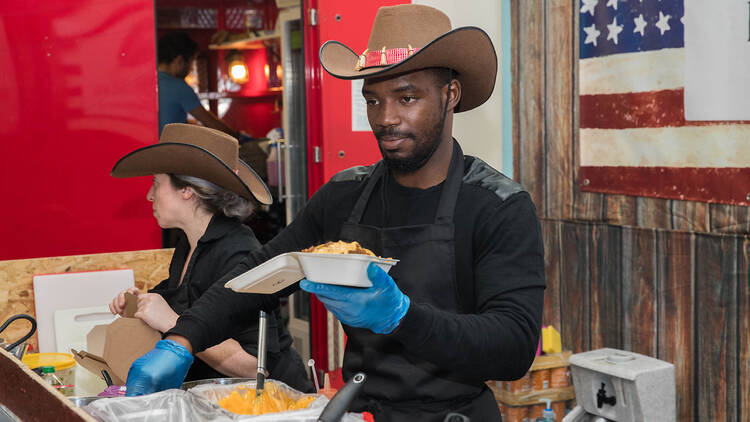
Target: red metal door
78 91
329 112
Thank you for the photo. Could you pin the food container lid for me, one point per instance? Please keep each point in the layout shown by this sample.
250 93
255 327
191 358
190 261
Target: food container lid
61 361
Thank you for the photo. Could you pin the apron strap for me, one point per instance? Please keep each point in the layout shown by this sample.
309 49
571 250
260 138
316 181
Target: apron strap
359 207
447 205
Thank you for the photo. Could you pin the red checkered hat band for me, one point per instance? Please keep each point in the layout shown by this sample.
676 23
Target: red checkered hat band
387 57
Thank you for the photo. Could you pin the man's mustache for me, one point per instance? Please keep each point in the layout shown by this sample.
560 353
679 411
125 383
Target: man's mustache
392 133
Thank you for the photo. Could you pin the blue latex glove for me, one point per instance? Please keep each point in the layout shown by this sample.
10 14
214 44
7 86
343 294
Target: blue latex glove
378 308
162 368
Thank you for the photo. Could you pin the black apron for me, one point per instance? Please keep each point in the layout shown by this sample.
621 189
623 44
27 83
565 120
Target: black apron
401 385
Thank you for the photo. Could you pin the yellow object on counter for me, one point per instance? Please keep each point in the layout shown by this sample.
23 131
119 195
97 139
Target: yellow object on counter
551 342
244 401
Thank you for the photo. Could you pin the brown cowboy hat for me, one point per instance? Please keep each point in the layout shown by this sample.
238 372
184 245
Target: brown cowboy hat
410 37
196 151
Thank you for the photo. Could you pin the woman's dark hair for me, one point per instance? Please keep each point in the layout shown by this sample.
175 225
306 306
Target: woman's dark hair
214 198
176 44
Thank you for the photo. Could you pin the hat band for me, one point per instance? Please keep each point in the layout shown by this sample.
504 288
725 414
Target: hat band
383 57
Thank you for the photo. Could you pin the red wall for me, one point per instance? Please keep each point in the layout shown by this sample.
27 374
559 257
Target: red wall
78 91
353 29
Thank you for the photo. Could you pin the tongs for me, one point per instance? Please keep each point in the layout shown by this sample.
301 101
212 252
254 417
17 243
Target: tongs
262 373
24 338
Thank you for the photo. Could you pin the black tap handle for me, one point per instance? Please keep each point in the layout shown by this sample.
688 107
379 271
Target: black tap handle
602 399
341 400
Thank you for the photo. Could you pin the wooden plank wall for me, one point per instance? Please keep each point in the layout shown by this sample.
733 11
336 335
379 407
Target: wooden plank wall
665 278
680 297
17 287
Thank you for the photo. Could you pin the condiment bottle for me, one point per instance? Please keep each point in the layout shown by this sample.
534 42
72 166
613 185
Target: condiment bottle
48 373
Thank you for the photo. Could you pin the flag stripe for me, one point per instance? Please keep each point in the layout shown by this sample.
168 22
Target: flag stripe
647 71
689 146
723 185
639 110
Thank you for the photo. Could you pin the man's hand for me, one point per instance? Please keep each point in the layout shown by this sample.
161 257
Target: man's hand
162 368
154 311
117 306
378 308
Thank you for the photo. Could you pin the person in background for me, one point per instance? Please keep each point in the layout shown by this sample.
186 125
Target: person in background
202 188
176 53
464 303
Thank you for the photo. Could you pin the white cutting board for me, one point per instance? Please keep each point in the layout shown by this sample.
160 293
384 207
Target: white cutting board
53 292
73 325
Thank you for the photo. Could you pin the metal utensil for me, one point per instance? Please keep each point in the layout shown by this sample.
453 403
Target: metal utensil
340 402
262 373
311 364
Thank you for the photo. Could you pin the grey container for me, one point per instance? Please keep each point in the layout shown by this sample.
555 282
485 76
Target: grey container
622 386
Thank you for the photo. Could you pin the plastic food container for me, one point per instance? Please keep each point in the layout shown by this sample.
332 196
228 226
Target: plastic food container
344 270
65 365
287 269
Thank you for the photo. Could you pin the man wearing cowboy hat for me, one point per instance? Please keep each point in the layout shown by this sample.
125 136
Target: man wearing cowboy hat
464 303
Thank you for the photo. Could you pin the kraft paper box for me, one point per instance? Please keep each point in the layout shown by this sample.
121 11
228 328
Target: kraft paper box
115 346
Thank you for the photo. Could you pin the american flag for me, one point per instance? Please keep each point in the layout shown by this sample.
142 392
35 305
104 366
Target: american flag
634 137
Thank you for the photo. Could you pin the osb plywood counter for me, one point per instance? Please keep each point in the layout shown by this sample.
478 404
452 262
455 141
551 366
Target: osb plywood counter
16 279
32 399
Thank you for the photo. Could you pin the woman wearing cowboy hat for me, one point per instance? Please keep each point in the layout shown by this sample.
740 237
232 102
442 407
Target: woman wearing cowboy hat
464 303
201 187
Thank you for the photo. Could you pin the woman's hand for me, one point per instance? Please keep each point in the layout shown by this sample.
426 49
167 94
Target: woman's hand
117 306
154 311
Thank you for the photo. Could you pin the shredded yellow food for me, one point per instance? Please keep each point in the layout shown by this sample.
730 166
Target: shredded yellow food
340 247
243 400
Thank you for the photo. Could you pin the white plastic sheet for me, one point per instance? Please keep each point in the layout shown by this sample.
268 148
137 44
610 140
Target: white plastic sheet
199 405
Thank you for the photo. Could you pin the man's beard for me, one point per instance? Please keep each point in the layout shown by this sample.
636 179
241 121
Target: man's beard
422 152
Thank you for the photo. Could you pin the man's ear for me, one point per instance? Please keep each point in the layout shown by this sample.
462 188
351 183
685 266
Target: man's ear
454 94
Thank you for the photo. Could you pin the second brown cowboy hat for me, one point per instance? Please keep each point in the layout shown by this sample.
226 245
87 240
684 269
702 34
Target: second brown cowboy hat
411 37
196 151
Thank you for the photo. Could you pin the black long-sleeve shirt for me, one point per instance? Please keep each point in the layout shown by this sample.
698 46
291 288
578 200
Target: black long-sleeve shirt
498 251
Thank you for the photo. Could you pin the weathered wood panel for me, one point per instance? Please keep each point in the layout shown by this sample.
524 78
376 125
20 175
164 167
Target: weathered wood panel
716 327
675 304
620 209
653 213
729 219
639 290
575 281
553 306
17 288
531 100
743 355
558 91
606 286
689 216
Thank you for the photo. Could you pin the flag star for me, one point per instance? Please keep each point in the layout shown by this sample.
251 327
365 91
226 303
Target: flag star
663 24
591 34
614 30
612 3
640 24
588 6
